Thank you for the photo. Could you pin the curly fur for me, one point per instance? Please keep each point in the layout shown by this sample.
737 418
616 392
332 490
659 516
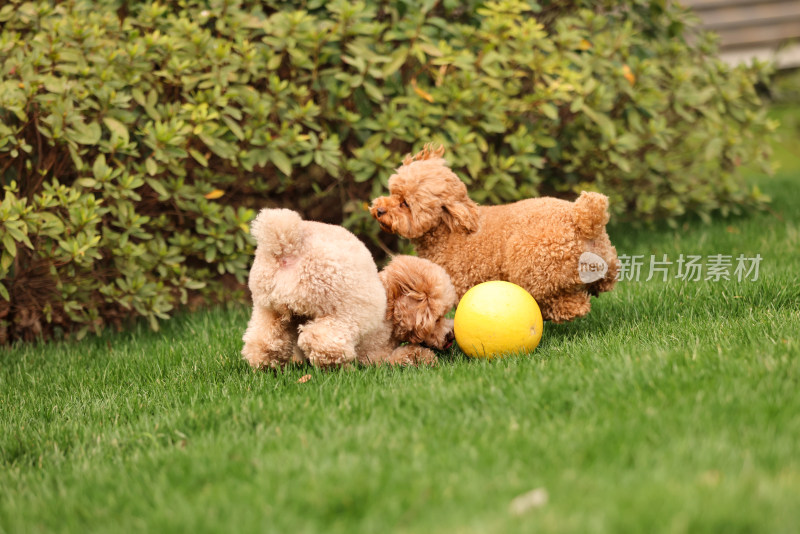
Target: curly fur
535 243
419 294
318 297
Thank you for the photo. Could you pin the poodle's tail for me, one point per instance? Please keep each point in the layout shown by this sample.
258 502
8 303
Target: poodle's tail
279 231
590 214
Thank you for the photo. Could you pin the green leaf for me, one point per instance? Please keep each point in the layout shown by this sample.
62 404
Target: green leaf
158 187
234 128
194 284
117 128
373 92
55 84
151 165
200 158
50 224
713 149
281 161
18 235
6 259
4 293
620 161
138 96
430 49
87 134
100 169
545 141
397 61
7 12
15 232
602 120
76 158
10 244
550 111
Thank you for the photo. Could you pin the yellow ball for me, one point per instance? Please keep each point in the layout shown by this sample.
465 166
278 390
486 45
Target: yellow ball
496 318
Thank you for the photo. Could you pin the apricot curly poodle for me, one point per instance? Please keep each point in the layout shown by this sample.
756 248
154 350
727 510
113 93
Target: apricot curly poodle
536 243
318 297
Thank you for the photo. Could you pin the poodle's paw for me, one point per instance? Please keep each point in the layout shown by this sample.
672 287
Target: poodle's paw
262 356
326 360
412 355
327 343
567 307
325 353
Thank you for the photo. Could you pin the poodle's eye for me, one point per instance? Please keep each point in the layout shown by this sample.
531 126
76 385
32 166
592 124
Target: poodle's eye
404 204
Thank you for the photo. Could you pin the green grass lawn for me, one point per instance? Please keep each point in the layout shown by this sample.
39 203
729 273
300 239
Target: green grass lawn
673 407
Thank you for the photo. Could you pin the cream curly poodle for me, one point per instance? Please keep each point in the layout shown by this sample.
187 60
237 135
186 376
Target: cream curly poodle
536 243
318 297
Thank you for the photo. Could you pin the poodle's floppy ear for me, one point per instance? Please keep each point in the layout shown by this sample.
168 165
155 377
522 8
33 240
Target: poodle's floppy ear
424 319
462 213
408 284
411 315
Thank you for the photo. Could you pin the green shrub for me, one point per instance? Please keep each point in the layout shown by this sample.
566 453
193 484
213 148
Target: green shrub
137 138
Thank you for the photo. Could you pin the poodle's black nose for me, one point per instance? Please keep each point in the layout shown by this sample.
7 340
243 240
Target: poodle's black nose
380 211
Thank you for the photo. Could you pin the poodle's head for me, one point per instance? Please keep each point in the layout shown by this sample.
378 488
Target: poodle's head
418 296
425 194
